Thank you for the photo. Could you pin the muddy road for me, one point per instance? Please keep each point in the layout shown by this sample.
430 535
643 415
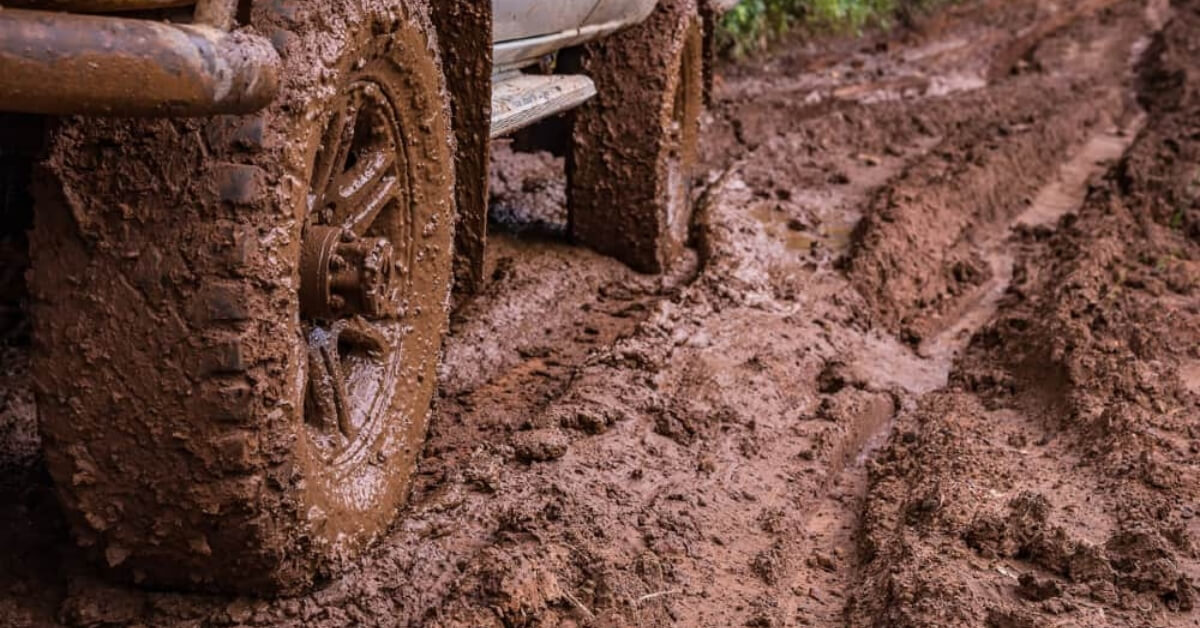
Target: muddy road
935 361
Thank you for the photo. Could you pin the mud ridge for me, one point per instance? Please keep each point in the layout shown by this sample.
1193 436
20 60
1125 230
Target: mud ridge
1053 483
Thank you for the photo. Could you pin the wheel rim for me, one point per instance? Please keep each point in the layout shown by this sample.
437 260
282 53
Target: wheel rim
354 274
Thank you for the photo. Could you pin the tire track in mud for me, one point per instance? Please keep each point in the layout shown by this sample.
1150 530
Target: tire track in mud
827 579
835 519
1009 434
1063 194
1005 500
821 587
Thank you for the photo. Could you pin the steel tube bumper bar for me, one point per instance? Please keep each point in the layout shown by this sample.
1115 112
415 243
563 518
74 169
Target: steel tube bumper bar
62 64
97 6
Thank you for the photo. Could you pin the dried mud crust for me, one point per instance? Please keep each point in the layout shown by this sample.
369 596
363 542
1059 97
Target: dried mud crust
635 145
170 363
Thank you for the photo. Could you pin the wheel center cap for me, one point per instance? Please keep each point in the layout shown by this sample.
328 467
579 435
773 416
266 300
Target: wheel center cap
342 274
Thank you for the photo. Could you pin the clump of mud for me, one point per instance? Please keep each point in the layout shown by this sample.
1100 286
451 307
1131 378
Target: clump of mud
528 191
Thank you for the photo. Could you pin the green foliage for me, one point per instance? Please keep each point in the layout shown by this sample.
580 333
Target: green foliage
753 24
851 13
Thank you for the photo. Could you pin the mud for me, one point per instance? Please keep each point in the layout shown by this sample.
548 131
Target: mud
933 363
1082 377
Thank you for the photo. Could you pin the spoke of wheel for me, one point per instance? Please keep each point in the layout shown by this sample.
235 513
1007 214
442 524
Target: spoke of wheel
327 380
354 181
337 149
328 383
359 195
359 332
321 386
333 366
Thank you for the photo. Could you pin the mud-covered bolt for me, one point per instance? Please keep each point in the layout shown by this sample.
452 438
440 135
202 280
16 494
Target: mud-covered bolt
342 274
368 275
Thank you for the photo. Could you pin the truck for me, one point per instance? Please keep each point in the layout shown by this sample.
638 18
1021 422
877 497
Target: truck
249 216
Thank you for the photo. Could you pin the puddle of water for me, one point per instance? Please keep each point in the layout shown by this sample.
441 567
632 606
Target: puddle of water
834 236
838 236
888 364
867 430
776 224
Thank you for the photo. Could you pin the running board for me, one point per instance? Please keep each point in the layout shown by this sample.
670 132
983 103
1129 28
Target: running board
519 100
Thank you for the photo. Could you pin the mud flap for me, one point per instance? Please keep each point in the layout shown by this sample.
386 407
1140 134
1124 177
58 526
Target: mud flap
464 29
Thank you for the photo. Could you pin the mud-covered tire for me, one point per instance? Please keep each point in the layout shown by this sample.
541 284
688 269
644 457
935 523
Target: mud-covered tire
172 360
635 145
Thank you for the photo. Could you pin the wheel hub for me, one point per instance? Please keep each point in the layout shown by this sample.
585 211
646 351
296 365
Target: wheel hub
342 274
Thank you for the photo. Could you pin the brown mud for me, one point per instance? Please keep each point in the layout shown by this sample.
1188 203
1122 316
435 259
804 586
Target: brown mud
935 363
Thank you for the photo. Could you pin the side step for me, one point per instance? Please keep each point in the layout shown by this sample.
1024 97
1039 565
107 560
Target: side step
519 100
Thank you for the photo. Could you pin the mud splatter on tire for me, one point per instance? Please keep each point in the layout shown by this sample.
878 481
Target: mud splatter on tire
171 360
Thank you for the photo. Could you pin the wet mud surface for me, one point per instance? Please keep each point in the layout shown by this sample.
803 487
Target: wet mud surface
934 361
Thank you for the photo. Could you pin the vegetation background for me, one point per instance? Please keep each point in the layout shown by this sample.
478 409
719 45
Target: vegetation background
752 25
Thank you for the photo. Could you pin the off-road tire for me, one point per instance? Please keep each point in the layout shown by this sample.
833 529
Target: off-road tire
172 360
635 144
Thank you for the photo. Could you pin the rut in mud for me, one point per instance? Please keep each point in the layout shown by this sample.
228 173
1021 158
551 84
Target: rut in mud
935 363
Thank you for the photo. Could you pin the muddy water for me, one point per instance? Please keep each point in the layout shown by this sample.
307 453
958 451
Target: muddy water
756 440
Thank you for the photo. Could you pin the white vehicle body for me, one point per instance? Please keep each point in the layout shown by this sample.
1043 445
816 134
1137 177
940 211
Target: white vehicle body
526 30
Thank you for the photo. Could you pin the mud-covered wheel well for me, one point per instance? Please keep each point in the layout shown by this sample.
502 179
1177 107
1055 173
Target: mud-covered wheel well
464 30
